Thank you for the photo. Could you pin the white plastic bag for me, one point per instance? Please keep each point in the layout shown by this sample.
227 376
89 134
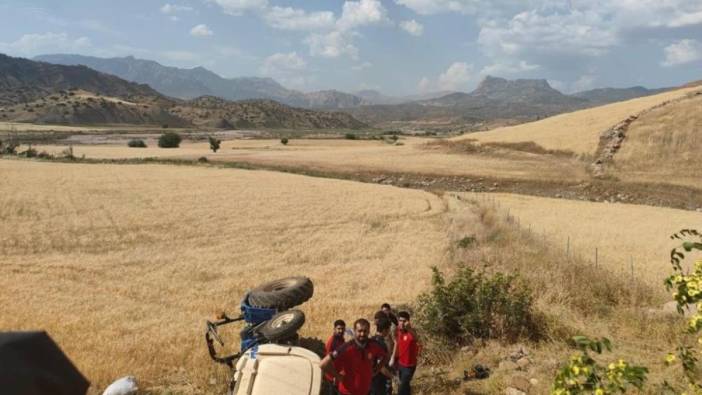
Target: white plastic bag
125 386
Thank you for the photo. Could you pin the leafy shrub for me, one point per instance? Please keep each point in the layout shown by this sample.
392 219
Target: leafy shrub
284 141
466 242
164 126
30 152
44 155
350 136
475 305
202 159
214 143
68 153
9 147
136 143
169 140
584 375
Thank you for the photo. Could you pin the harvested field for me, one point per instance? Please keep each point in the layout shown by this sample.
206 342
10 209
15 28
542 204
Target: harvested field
122 264
620 232
579 131
664 145
414 156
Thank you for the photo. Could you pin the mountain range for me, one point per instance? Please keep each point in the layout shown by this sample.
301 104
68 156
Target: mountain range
495 100
191 83
39 92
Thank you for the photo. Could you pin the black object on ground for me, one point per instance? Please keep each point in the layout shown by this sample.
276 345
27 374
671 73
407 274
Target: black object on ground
31 363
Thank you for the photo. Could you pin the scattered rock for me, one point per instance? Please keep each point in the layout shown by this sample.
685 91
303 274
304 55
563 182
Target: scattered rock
519 353
520 382
523 363
465 349
514 391
507 365
213 381
534 381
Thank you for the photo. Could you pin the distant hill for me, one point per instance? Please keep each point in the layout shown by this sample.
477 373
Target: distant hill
22 80
493 99
192 83
611 95
210 111
39 92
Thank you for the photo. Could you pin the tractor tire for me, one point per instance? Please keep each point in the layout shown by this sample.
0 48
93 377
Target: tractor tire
282 294
282 326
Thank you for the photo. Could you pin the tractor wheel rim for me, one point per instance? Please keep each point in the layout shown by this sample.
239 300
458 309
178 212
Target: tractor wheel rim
282 320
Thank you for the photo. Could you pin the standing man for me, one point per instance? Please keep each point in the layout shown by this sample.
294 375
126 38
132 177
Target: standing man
385 308
382 380
352 363
335 341
406 352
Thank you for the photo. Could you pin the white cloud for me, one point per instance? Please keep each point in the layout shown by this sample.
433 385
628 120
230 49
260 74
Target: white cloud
282 61
239 7
35 44
332 45
287 18
424 85
362 12
456 76
172 9
574 33
201 30
428 7
362 66
500 69
694 18
174 18
288 68
682 52
412 27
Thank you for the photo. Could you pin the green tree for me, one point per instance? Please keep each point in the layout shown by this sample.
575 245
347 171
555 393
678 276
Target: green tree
214 143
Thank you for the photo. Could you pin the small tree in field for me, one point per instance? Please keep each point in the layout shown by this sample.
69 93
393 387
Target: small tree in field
284 141
214 143
169 140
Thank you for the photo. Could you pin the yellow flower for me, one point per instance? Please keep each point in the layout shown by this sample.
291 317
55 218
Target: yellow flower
575 370
670 358
611 366
599 391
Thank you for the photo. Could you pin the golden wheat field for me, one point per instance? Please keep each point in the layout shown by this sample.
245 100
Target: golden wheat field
664 145
122 264
415 156
578 131
621 233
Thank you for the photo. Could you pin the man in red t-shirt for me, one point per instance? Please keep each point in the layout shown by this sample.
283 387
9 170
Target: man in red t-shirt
406 352
335 341
352 363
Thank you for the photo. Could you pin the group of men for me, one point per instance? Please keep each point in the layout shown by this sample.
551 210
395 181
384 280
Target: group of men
366 365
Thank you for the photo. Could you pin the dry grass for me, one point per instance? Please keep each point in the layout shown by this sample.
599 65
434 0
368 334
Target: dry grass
620 232
345 155
664 145
122 264
574 296
579 131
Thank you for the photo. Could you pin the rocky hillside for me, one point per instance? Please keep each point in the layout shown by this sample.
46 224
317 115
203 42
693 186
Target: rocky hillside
192 83
56 94
210 111
611 95
23 80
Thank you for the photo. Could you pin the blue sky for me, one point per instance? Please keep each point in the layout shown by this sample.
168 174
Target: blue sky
395 46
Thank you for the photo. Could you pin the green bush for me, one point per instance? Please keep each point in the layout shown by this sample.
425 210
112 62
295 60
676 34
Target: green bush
475 305
169 140
350 136
284 141
136 143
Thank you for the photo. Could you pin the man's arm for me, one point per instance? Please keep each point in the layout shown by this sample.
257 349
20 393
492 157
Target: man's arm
327 366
